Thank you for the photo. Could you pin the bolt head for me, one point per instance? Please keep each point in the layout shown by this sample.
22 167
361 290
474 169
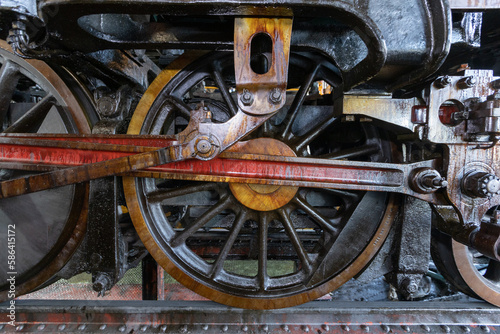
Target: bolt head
246 97
275 96
443 81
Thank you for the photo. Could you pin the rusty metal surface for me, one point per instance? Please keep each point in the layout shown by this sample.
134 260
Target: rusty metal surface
474 5
454 92
234 167
209 317
266 91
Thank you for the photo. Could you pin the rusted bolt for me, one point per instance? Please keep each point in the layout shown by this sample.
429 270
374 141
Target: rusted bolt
442 82
427 180
102 284
246 98
411 288
490 185
203 146
107 106
275 96
467 82
481 184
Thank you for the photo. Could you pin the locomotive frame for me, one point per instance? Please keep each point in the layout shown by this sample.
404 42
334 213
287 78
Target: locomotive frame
300 133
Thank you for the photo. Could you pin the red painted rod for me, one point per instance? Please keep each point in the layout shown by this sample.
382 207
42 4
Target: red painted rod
67 150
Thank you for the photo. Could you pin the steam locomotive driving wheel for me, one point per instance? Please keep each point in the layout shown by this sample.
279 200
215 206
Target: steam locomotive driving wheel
35 99
259 246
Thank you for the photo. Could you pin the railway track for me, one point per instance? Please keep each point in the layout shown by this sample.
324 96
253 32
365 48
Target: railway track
37 316
264 154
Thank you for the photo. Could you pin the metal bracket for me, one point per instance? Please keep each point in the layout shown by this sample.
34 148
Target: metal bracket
261 94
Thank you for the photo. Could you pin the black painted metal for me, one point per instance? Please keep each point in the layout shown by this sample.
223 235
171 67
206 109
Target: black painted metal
412 248
106 247
149 278
413 37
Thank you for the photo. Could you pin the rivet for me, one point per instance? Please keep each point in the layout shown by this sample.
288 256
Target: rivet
485 328
325 327
244 328
61 327
305 328
1 327
285 328
405 328
465 329
385 328
41 327
225 328
265 328
81 327
446 328
183 329
144 328
205 327
163 328
365 328
19 327
345 328
426 328
102 327
122 328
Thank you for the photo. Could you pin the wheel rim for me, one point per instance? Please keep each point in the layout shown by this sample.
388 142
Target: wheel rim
469 271
49 227
313 233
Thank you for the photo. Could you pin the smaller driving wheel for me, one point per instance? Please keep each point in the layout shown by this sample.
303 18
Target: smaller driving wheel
466 269
39 232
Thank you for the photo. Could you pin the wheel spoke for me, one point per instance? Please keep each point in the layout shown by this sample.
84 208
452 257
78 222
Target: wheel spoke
262 270
160 195
351 153
33 118
319 218
233 234
201 221
298 101
181 107
294 238
9 76
312 134
219 80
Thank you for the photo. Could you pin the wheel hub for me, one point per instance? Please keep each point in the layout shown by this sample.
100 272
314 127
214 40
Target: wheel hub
261 197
